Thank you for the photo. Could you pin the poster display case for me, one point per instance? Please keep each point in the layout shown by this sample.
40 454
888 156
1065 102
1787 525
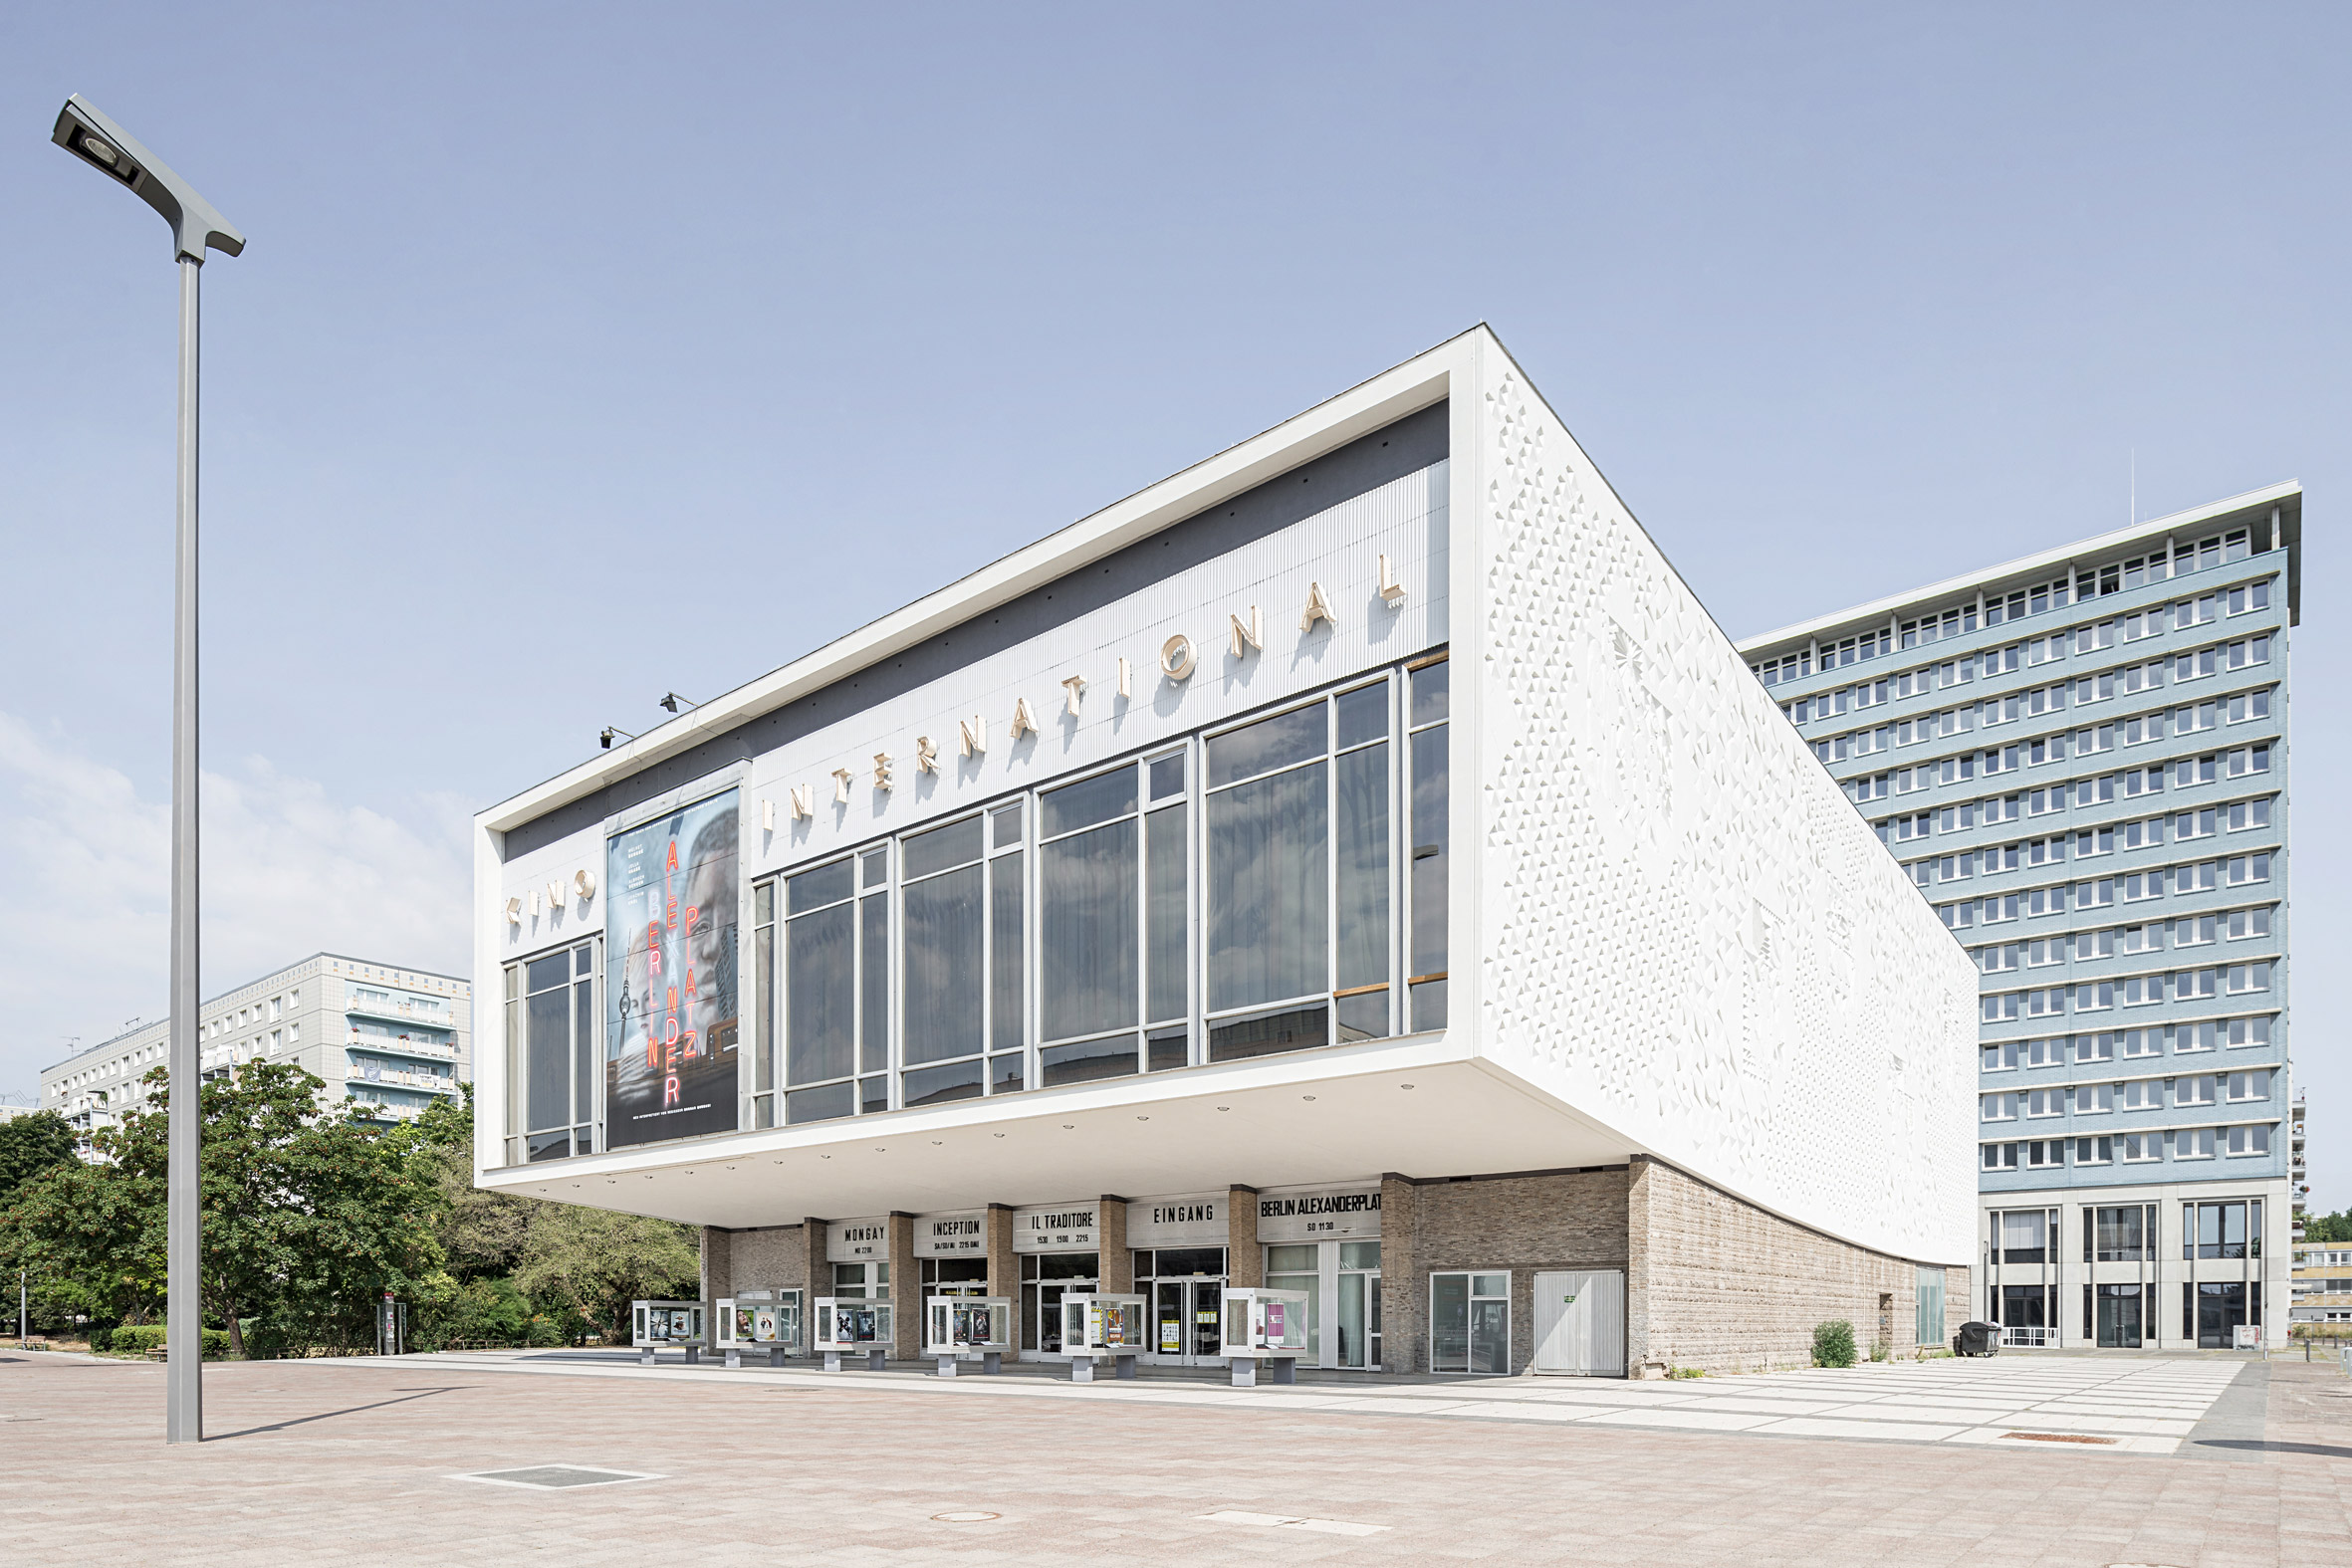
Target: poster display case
854 1328
1097 1326
663 1325
1262 1325
960 1328
759 1320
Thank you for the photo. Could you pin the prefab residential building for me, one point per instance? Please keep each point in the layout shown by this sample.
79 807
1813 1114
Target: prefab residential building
1354 864
2081 760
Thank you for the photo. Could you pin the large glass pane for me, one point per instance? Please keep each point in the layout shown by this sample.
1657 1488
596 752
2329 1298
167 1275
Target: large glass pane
936 1086
819 993
1360 845
763 1007
549 1049
1087 802
1005 953
923 854
546 972
1111 1057
1268 932
1164 921
942 956
1088 931
1268 1033
818 1105
1430 684
1351 1320
1449 1322
1268 743
818 888
1429 853
584 1020
873 968
1360 715
1490 1337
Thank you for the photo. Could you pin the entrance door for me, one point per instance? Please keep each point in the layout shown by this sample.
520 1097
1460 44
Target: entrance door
2119 1316
2221 1308
1184 1322
1580 1323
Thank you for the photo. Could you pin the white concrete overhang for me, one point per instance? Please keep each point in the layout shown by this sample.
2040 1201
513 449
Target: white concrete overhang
2096 550
1317 1116
1384 399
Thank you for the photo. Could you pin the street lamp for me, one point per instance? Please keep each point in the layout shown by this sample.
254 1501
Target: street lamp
197 227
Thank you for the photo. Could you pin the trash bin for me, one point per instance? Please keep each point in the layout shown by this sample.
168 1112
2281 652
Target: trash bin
1979 1340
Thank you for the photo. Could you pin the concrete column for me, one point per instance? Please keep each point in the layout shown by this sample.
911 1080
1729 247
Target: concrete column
1003 1269
1117 1267
907 1289
815 1272
1245 1264
1640 1295
718 1264
1404 1289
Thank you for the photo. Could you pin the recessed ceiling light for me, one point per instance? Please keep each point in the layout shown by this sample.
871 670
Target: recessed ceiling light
821 1157
1143 1118
1306 1096
934 1143
1070 1125
1225 1107
1404 1085
996 1135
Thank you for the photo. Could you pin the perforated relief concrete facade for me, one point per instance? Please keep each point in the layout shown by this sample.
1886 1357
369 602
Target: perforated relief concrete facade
1684 930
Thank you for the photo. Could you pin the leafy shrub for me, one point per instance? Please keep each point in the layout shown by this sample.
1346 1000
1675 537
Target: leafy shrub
99 1338
1685 1372
1833 1344
136 1339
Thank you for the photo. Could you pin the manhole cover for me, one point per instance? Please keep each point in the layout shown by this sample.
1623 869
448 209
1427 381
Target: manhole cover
552 1477
965 1516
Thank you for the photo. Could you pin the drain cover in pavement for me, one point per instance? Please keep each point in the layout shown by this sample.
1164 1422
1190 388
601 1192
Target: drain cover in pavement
550 1477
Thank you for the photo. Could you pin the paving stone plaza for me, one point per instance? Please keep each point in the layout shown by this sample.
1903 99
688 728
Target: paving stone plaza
2188 1461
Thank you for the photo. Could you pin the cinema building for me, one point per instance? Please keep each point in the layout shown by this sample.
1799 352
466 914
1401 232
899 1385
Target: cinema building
1356 863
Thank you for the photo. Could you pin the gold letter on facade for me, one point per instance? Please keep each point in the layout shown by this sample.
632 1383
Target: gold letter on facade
1074 685
1317 608
1123 681
1390 590
1247 637
926 755
973 732
841 786
881 770
1023 722
803 802
1177 657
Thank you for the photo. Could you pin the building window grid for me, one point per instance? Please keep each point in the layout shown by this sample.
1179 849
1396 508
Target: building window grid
1417 1002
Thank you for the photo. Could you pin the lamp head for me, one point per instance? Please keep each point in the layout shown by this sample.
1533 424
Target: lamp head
106 147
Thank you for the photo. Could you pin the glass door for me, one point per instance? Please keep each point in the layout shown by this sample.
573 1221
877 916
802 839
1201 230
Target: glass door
1359 1301
2119 1316
1470 1323
1301 1267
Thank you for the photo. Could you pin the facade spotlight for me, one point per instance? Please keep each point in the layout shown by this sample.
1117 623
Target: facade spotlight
604 737
670 700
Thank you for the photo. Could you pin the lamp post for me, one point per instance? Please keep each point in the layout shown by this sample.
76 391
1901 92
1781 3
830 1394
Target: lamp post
197 227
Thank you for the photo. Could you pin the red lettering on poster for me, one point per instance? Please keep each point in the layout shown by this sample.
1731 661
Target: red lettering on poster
669 1089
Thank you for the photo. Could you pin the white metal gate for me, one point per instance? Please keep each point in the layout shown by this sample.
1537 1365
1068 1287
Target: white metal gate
1580 1322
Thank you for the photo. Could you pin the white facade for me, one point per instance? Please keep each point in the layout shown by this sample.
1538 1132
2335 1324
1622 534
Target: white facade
386 1037
1669 935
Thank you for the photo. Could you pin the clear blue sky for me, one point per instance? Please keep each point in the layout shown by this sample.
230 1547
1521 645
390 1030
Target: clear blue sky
1844 299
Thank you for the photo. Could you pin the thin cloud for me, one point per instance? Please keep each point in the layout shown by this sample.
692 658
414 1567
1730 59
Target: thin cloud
288 870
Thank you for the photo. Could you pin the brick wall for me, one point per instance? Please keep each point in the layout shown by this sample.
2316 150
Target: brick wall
1721 1284
772 1257
1570 1219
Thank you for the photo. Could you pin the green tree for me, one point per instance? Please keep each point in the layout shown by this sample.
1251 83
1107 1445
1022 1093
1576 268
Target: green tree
30 1145
307 1215
572 1262
2334 1229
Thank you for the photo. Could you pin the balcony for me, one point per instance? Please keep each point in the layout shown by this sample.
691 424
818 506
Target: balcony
405 1011
431 1082
431 1049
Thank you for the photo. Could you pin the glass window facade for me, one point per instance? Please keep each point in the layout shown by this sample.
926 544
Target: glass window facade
1272 885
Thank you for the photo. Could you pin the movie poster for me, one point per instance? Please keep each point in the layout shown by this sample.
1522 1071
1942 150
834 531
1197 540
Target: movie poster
670 1014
